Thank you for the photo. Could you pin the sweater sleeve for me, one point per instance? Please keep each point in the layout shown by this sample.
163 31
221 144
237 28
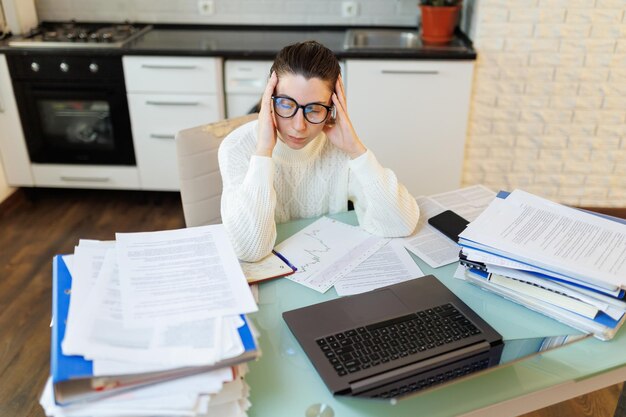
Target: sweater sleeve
383 206
248 200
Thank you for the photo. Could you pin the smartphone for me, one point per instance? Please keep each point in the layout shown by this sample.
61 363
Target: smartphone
449 223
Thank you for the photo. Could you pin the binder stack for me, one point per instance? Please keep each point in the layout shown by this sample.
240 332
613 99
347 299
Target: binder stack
90 377
566 263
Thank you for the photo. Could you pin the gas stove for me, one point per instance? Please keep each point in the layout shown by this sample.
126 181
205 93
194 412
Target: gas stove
80 35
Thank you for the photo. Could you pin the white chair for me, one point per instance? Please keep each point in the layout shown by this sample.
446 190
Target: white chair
199 174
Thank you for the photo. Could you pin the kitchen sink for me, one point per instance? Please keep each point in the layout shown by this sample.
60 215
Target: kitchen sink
381 39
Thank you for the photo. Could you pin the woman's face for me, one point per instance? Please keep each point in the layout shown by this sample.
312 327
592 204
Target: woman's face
296 132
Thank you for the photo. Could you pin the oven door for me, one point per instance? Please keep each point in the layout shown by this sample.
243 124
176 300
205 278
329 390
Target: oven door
79 123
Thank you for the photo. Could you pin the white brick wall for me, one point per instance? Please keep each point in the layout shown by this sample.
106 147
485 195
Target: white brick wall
549 102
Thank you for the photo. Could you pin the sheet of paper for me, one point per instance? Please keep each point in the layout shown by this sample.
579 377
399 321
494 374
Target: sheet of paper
327 250
69 262
546 283
467 202
86 264
555 237
179 275
154 347
493 259
389 265
429 244
459 272
176 397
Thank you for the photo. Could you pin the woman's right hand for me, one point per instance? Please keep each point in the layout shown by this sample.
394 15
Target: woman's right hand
267 125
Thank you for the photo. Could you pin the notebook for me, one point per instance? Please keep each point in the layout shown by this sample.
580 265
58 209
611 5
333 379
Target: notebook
395 340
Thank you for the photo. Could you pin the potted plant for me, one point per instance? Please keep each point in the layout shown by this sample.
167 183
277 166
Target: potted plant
439 18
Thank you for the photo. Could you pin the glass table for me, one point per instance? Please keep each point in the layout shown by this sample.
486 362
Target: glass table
285 383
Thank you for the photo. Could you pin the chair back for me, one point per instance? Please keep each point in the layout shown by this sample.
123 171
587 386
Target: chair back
198 168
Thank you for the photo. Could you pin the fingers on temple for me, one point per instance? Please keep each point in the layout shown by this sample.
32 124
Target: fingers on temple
340 91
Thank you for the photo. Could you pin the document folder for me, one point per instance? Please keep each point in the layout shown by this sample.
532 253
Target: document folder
72 376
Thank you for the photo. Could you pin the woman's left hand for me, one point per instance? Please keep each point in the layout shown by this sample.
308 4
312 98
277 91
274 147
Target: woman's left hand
342 133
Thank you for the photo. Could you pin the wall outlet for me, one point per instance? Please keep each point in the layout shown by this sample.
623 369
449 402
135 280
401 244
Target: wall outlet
206 7
349 9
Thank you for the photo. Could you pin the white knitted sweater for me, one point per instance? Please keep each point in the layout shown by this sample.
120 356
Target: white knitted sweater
260 192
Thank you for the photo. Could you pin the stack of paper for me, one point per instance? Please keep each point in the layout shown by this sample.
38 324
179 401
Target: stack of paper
330 253
566 263
151 324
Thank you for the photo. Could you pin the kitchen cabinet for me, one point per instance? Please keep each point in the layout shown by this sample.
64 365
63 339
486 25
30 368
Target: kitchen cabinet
13 150
244 82
165 95
413 115
85 176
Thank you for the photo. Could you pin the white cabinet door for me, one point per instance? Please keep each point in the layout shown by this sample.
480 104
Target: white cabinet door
13 152
413 116
163 74
165 95
83 176
156 118
244 82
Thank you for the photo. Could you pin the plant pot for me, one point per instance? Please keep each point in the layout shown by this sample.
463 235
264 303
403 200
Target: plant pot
438 23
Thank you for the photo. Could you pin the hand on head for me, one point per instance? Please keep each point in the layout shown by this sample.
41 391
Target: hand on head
342 133
267 123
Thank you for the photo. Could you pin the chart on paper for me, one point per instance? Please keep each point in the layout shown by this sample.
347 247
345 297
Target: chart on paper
327 250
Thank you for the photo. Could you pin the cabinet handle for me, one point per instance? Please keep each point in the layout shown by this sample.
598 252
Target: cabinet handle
161 136
172 103
85 179
158 66
421 72
247 81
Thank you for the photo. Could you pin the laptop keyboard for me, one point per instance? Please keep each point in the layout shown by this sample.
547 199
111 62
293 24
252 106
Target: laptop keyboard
364 347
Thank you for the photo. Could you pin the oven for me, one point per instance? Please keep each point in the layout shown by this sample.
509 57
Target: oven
69 88
73 108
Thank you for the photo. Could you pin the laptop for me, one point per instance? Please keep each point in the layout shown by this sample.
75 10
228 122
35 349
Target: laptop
395 340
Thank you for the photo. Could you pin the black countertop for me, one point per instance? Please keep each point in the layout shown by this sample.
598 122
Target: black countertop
253 43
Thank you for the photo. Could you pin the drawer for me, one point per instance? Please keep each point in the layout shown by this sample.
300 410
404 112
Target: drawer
166 114
72 176
246 76
155 119
172 74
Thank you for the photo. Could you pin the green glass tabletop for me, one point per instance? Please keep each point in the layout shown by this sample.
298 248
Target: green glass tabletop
284 382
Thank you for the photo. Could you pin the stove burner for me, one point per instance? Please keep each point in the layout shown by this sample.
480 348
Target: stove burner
71 34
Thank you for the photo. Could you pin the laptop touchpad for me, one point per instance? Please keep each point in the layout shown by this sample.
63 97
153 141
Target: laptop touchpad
374 306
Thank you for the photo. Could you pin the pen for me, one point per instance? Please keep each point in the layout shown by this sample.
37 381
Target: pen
285 260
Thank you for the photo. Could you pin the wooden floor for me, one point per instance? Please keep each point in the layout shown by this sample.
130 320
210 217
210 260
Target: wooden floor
34 226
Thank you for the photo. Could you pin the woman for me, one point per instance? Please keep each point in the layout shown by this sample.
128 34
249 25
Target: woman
302 158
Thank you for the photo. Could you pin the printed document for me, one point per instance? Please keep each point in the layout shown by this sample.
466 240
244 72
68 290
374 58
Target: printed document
391 264
175 276
155 347
467 202
571 242
86 263
431 245
426 242
327 250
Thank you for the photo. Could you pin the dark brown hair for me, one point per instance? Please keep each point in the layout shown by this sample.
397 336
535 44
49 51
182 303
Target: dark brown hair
310 59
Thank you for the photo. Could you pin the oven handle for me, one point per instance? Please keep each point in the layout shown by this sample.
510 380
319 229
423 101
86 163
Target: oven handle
172 103
85 179
162 136
156 66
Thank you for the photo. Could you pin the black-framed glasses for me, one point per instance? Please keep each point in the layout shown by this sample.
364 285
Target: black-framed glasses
286 107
